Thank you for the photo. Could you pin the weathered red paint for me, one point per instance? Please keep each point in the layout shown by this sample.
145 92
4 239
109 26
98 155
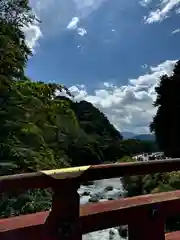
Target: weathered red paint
173 235
24 227
23 221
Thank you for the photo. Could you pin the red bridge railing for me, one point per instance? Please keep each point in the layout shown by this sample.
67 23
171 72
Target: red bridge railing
145 215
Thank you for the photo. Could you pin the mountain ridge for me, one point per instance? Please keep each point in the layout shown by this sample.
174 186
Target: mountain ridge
131 135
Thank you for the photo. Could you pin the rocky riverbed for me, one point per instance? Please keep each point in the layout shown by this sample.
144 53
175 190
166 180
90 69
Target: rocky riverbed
103 190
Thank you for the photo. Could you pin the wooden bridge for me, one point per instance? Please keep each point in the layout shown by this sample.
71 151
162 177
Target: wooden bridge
67 220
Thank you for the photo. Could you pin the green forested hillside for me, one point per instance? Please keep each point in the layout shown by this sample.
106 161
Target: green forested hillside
42 131
38 129
95 123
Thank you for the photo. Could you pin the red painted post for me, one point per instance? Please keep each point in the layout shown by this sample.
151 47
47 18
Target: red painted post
64 219
149 225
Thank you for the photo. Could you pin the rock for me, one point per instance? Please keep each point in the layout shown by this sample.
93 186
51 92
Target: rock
111 234
110 198
93 200
108 188
123 231
85 193
88 183
97 195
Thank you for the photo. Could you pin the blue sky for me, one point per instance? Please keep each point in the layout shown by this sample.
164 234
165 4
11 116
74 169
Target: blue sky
108 52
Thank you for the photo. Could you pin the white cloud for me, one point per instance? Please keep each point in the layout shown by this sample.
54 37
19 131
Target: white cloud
162 11
62 12
73 23
85 7
33 34
128 107
56 14
81 31
176 31
41 5
78 92
145 3
108 85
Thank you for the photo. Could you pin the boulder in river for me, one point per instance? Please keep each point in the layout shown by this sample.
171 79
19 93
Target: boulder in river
111 234
108 188
93 200
97 195
123 231
110 198
86 193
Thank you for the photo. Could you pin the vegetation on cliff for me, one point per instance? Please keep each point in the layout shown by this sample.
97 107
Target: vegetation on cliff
165 126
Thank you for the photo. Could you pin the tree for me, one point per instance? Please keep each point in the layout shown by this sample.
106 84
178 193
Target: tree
38 129
165 123
14 16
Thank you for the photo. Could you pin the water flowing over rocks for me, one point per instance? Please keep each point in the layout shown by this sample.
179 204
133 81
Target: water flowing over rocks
99 191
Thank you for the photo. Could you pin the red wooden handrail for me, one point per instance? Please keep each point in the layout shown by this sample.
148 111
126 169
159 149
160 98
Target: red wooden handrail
145 215
106 214
46 179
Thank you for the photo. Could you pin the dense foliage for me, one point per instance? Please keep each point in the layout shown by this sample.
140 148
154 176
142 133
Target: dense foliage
40 129
166 129
165 123
153 183
132 147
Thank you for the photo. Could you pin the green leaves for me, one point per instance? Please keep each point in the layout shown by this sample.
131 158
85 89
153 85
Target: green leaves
16 12
40 129
165 123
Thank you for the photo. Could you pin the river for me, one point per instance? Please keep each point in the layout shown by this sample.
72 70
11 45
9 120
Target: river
102 190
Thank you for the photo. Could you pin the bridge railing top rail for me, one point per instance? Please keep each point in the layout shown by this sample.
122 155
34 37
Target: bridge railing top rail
51 178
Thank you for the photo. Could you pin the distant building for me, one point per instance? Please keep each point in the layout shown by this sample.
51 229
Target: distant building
149 157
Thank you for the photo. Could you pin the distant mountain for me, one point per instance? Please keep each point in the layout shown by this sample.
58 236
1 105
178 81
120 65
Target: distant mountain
127 135
131 135
147 137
